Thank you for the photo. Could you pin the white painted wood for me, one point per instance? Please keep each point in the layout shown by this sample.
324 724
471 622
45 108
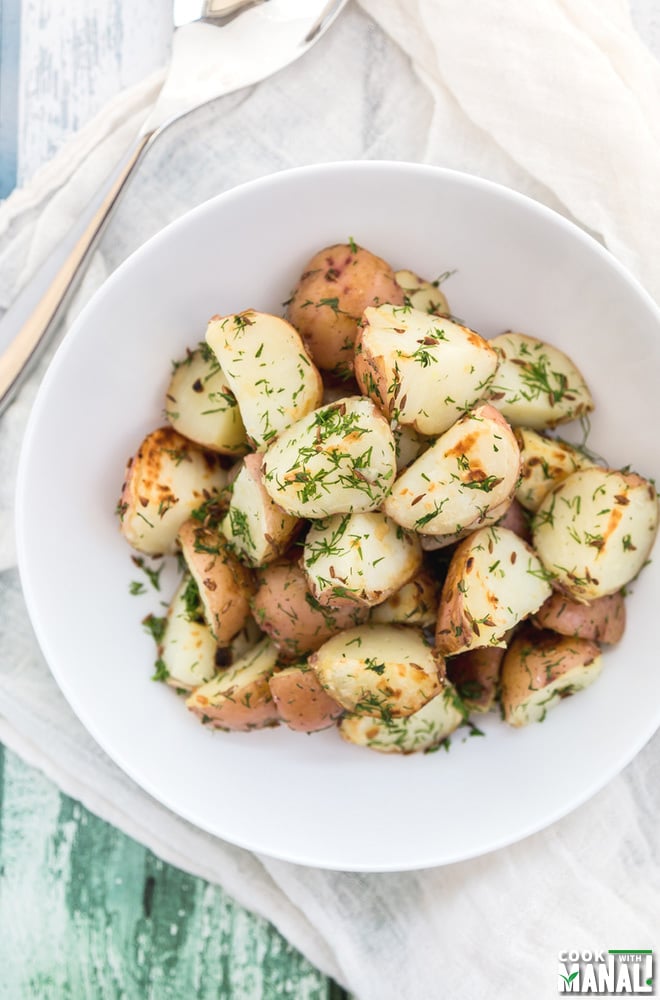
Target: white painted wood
75 56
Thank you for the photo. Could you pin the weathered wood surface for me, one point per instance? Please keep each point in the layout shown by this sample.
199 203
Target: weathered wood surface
86 913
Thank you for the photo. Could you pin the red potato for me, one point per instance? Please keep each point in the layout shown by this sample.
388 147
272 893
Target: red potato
493 582
301 702
335 288
387 671
225 585
516 520
286 610
603 620
165 481
239 698
476 676
541 668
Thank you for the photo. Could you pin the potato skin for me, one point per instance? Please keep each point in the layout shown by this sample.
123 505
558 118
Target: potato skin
225 585
335 288
287 611
301 702
239 698
475 674
602 620
540 668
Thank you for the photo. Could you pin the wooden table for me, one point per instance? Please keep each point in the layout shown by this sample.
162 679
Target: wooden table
87 913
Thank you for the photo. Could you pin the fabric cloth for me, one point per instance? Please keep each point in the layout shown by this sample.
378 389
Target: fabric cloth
556 98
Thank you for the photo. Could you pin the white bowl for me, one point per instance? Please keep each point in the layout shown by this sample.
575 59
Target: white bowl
315 799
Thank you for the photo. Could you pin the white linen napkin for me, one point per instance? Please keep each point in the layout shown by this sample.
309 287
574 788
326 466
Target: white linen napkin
556 98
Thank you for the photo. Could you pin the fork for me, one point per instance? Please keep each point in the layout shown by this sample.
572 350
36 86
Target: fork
257 38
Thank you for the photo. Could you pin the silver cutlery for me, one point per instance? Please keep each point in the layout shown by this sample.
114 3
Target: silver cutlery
223 45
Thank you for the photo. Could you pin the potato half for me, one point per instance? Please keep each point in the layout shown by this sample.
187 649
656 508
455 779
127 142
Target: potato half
188 648
541 668
339 459
255 526
494 581
536 384
200 405
287 611
225 585
386 671
240 698
594 531
461 481
545 462
267 369
423 295
336 286
422 730
358 559
416 603
603 620
301 702
420 369
166 480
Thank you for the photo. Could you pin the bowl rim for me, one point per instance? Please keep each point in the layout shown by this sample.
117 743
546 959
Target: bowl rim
188 219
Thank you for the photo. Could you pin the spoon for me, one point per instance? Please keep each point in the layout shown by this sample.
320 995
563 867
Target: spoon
218 46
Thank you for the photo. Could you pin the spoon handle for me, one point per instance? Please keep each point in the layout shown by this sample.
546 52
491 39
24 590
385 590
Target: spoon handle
23 350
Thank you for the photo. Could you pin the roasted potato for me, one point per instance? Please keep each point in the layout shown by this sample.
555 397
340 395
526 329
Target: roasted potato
420 369
423 730
166 480
409 445
200 405
336 287
423 295
286 610
301 702
255 526
240 698
545 462
541 668
594 531
358 559
187 649
494 581
416 603
225 585
476 674
536 384
386 671
338 459
267 369
464 480
603 620
516 519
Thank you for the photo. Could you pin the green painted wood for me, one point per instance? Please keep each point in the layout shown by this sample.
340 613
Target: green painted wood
86 912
